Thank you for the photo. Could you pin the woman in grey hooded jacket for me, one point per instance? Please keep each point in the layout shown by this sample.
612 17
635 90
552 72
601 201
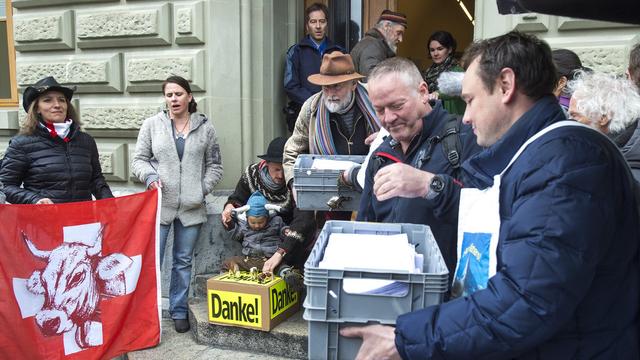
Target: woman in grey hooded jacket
177 152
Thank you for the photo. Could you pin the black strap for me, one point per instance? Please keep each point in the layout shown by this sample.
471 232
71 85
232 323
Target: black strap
451 145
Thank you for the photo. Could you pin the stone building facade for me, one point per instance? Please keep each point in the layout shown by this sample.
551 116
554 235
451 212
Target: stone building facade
602 46
118 52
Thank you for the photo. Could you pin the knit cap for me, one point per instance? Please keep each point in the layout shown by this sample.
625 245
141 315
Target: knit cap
256 203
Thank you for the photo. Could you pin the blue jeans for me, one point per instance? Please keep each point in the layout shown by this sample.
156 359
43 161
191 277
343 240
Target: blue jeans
184 241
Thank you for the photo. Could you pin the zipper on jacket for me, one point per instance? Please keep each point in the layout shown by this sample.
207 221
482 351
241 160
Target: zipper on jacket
67 158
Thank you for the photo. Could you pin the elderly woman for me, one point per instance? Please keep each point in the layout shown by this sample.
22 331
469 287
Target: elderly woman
51 160
178 153
610 105
441 47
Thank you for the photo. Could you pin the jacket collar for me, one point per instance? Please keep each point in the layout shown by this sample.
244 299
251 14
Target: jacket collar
375 33
42 130
196 118
326 45
430 122
490 162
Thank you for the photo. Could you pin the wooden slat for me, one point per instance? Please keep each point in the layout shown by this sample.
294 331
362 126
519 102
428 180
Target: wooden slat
371 10
13 101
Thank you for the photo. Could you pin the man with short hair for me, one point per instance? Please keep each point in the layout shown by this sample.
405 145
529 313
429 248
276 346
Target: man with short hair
304 58
336 121
380 42
418 133
549 264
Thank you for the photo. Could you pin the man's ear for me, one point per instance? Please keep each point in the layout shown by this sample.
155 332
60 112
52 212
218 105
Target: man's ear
507 85
423 92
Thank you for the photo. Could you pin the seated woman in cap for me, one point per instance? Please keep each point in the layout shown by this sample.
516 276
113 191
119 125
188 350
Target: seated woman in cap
51 160
267 177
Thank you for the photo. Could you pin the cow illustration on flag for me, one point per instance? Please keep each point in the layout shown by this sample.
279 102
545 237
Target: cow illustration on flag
80 280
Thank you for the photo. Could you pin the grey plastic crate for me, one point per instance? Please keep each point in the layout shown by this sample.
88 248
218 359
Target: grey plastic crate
315 187
327 300
325 342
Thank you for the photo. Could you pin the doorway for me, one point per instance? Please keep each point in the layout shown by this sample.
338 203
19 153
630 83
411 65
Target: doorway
425 17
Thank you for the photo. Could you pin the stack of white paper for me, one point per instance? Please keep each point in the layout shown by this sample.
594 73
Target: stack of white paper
369 252
391 253
327 164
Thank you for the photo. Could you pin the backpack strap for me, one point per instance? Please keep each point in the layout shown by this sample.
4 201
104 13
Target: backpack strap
451 144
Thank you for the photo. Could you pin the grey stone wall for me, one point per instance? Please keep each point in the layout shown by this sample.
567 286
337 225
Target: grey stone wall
602 46
118 52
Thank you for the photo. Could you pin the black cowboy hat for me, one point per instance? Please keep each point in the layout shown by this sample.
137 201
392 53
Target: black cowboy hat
43 85
275 150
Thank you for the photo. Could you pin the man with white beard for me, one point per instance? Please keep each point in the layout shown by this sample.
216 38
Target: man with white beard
380 42
339 120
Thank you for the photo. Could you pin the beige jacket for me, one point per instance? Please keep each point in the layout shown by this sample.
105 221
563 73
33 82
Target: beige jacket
298 143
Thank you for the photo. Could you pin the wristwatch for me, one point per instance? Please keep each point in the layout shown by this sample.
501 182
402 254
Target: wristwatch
436 186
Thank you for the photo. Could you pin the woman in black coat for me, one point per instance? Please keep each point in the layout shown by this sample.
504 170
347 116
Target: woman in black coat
51 160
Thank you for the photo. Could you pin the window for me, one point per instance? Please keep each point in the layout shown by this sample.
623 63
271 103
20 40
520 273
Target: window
8 86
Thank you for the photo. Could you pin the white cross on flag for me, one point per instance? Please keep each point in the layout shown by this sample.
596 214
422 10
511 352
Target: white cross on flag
81 280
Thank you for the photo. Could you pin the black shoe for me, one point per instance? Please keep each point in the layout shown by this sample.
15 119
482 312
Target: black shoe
181 325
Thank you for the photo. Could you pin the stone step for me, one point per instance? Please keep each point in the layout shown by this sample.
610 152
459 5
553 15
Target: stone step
288 339
175 346
200 284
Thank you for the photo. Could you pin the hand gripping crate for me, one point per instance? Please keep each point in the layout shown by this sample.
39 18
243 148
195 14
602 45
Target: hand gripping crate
315 187
328 307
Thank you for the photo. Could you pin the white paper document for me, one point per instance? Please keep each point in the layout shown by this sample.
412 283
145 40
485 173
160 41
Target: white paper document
392 253
326 164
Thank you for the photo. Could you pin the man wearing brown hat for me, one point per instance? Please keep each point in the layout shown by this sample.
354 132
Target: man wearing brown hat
335 121
380 42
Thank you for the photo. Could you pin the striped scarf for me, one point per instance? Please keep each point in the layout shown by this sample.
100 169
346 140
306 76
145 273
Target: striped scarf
320 138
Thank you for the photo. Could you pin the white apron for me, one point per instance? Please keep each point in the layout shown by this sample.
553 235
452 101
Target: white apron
479 228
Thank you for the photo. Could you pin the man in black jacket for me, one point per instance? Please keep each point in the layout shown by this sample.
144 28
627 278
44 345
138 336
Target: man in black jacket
419 137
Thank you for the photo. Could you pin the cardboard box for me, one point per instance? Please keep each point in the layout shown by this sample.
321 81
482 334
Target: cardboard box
246 303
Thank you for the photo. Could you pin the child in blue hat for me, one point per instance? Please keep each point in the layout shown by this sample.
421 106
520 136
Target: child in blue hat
261 235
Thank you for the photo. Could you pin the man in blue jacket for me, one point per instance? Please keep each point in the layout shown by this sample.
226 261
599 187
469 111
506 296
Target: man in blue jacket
304 58
561 234
417 138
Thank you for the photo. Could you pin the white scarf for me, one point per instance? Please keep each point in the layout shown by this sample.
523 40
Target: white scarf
63 128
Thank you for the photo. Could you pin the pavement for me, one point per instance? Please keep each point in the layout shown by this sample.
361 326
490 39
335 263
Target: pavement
176 346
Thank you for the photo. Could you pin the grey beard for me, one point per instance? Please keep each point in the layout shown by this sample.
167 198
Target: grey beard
393 47
337 107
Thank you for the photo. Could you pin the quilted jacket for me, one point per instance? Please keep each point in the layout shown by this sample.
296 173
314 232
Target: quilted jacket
566 283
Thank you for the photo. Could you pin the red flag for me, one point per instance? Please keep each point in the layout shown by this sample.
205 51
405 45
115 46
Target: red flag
79 280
